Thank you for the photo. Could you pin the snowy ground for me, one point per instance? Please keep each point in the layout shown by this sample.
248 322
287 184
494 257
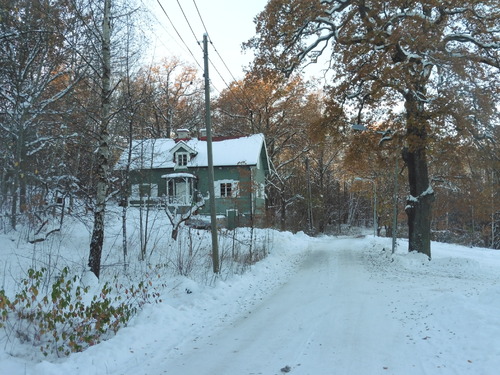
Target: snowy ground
315 306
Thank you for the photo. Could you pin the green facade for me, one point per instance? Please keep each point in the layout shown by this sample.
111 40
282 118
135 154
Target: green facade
239 189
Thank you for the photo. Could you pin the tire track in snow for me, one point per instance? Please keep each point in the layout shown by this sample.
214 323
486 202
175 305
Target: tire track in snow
330 312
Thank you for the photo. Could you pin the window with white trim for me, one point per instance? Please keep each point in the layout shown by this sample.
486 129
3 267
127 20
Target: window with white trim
144 190
260 191
182 159
226 189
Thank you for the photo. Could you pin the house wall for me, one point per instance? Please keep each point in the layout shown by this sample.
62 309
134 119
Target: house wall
148 176
259 191
250 188
241 201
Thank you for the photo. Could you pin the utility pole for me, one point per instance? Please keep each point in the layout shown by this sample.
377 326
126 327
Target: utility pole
309 197
395 208
375 219
211 188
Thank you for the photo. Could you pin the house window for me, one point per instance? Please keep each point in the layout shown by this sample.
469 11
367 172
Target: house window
226 189
144 190
182 159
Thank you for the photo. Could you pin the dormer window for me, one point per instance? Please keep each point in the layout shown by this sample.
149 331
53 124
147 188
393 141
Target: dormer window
182 159
182 155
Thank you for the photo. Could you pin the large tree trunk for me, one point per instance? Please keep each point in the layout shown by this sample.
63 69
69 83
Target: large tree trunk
419 202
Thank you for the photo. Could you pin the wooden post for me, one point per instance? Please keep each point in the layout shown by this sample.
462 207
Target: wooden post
211 187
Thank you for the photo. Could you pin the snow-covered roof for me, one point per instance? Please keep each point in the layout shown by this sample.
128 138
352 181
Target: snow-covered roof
178 175
183 145
158 153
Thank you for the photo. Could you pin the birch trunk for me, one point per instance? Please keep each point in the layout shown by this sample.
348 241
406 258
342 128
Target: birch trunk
103 152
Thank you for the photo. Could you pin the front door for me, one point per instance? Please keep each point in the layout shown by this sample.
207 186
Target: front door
182 192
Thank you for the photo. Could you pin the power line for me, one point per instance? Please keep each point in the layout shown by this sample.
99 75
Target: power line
189 24
223 62
211 42
201 18
215 49
194 35
179 35
151 13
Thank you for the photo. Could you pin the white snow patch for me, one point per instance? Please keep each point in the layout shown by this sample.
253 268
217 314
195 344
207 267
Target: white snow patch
313 306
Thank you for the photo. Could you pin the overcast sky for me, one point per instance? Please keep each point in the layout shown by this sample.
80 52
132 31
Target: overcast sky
229 23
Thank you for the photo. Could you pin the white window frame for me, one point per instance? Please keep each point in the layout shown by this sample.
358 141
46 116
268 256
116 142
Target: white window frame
135 191
181 159
260 191
235 192
226 189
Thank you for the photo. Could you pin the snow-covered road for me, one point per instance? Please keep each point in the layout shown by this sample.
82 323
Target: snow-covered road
322 306
331 311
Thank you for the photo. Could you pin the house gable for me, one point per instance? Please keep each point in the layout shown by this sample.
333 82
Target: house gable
182 147
182 155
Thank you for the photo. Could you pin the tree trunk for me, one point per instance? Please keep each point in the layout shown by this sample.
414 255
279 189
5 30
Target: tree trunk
124 232
283 211
175 232
13 210
23 202
103 153
419 202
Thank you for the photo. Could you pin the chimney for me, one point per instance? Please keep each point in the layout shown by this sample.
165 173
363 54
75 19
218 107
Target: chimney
182 133
203 133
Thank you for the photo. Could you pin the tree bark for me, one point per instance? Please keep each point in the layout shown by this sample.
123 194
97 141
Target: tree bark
419 202
103 153
13 208
283 211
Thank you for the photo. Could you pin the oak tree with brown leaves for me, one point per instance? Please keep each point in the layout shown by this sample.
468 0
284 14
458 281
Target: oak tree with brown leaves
436 62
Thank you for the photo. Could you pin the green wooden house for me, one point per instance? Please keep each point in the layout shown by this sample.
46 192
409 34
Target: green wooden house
174 172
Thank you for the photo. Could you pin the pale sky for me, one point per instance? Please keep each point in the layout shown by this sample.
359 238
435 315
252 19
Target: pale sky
229 23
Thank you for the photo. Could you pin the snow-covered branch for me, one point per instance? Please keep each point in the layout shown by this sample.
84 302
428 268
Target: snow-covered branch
413 201
337 5
467 38
176 219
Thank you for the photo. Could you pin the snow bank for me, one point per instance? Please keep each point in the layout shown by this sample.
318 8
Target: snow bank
448 306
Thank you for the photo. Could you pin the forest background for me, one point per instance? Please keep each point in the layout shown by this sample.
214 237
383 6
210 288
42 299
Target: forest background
66 110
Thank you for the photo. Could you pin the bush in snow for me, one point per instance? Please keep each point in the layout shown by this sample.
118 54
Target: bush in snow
68 318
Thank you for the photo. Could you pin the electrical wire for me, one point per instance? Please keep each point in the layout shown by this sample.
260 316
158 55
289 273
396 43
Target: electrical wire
231 89
178 34
153 15
189 24
199 15
210 40
194 35
223 62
